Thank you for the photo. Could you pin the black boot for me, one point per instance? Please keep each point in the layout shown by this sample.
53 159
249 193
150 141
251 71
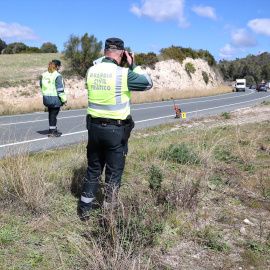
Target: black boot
54 133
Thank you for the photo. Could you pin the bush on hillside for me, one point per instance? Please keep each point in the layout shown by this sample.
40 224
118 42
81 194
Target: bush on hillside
207 56
15 47
173 52
48 47
188 52
3 45
32 50
81 52
189 67
179 53
205 77
143 59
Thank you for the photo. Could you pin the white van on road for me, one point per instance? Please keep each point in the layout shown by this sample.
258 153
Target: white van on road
240 85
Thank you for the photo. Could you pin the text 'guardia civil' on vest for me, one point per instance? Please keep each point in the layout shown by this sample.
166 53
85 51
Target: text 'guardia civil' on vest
101 75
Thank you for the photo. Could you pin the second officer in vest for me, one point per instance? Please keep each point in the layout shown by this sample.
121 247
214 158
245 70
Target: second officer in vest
108 120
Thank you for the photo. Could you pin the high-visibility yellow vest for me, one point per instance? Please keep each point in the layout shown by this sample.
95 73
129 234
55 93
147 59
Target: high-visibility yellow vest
48 83
108 94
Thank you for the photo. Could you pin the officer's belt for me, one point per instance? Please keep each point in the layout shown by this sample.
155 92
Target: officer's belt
106 121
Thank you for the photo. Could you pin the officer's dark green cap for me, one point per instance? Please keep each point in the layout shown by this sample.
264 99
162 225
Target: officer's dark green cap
114 43
57 62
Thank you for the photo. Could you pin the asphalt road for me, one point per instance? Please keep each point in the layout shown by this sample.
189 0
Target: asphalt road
28 132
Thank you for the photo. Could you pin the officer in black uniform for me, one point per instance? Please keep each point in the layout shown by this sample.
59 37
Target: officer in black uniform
108 120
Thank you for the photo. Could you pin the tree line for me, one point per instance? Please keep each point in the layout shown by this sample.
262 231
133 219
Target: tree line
19 47
252 68
80 52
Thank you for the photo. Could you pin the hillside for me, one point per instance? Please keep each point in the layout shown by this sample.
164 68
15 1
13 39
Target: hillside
171 74
19 82
254 68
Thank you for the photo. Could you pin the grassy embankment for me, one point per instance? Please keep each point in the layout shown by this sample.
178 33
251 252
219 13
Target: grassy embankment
187 189
23 71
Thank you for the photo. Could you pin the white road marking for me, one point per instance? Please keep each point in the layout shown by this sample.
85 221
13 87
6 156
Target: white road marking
34 121
188 103
41 139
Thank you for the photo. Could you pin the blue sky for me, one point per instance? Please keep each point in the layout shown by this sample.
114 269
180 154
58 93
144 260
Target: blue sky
228 29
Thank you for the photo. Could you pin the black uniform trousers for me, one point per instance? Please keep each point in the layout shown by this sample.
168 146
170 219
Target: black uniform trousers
53 112
104 149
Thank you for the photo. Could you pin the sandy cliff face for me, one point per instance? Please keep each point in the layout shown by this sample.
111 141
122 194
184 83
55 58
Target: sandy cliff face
168 74
171 74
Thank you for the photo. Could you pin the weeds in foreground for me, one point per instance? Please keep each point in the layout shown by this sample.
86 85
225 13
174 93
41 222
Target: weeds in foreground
265 102
173 204
211 239
226 115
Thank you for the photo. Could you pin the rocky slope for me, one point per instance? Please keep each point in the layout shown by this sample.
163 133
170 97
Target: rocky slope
168 74
171 74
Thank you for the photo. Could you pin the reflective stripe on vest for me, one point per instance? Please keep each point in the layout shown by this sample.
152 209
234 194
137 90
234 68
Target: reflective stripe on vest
108 94
48 83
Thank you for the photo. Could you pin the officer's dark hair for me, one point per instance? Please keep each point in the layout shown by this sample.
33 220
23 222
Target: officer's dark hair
52 67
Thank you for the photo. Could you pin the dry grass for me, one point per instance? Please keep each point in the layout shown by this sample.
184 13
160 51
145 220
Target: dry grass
36 105
25 67
166 94
192 215
25 103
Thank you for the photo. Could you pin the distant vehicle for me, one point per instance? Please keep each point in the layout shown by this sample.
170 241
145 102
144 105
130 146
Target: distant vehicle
240 85
268 85
252 86
261 87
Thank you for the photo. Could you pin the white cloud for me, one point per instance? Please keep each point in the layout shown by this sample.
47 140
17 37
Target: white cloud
16 32
227 51
260 26
162 11
241 38
207 11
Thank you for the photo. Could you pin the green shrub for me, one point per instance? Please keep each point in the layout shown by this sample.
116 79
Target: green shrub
211 239
224 155
205 77
253 245
15 47
226 115
32 50
173 52
81 52
156 178
179 53
189 67
48 47
143 59
181 154
207 56
266 102
3 45
188 52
